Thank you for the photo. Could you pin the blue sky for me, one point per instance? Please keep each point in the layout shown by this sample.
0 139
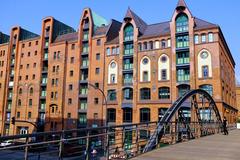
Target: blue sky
29 13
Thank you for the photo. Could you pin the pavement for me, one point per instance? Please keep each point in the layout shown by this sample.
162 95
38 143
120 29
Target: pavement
214 147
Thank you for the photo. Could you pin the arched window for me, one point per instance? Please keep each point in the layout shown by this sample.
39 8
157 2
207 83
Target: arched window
112 95
208 88
163 68
139 46
31 91
19 102
20 91
161 112
145 93
210 37
128 32
183 89
112 72
111 115
127 115
182 23
164 93
151 45
108 51
204 64
157 45
145 115
145 69
127 94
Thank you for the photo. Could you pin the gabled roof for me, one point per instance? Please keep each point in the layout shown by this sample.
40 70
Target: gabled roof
181 4
202 24
155 30
141 25
67 37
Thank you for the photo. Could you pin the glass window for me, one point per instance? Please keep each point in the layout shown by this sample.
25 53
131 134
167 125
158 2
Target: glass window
108 51
150 45
127 78
163 44
182 23
145 94
139 46
111 115
203 38
205 72
113 78
98 42
210 37
183 58
196 41
208 88
161 112
145 115
145 76
164 74
98 56
182 41
128 49
164 93
83 104
82 118
169 43
183 75
127 115
157 45
128 32
112 95
85 48
127 94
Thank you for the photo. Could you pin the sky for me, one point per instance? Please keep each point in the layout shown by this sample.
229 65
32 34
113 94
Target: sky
29 14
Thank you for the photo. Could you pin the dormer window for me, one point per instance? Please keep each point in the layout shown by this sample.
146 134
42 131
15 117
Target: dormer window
128 32
182 23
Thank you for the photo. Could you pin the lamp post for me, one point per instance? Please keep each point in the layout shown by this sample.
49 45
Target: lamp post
105 99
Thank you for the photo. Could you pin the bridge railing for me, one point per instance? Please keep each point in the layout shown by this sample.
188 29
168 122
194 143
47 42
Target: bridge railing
113 142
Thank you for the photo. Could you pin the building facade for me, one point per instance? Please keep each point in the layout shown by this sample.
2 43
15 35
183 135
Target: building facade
55 79
238 99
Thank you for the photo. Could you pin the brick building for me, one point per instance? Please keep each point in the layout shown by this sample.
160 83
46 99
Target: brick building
142 69
238 99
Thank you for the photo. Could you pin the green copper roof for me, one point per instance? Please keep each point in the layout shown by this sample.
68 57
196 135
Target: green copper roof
98 20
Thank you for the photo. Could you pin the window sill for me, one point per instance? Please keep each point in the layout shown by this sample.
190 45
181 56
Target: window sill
208 78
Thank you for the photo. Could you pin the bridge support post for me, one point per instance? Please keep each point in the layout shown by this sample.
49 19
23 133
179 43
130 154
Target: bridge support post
26 149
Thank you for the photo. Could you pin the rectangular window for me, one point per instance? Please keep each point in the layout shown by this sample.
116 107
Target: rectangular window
112 95
18 114
145 76
108 51
163 44
182 41
72 60
196 41
128 49
73 46
127 115
83 104
71 73
95 100
113 78
210 37
164 74
70 87
98 56
183 58
98 42
169 43
69 101
69 115
29 114
30 102
203 38
97 71
97 85
85 48
205 72
183 75
82 118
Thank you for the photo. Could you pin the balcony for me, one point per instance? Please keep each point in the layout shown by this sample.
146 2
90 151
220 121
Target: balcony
83 93
45 57
128 81
11 84
44 70
85 64
86 26
128 68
